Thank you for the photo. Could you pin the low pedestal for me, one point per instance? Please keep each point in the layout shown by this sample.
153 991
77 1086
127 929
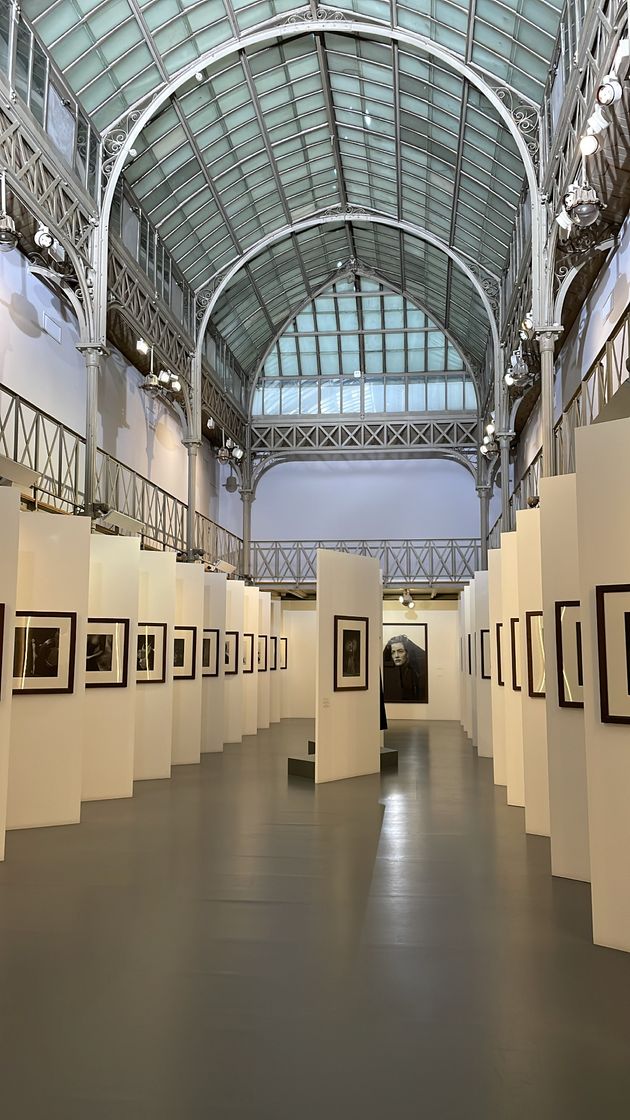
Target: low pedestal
304 767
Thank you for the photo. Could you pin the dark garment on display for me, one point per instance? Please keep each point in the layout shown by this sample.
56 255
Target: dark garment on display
383 721
406 685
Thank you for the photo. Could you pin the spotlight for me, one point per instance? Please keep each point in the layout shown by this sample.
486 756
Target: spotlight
199 76
223 454
8 232
490 429
176 385
151 382
589 144
165 377
483 448
610 90
486 440
210 423
564 221
509 381
406 599
237 454
44 238
142 346
598 121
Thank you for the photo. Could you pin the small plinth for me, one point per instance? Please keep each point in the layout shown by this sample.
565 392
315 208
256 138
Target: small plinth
389 759
302 767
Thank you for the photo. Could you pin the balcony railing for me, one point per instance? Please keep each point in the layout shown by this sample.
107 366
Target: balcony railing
402 562
57 453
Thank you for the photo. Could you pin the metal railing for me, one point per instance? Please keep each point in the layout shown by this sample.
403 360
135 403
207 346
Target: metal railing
36 440
453 560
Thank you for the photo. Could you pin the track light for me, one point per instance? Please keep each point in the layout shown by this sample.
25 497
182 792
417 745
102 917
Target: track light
518 372
406 599
199 76
589 144
8 232
210 423
598 121
610 90
44 238
490 429
176 385
165 377
142 346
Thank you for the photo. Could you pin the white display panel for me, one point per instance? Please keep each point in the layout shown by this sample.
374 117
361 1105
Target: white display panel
533 708
483 713
235 612
213 687
250 679
275 676
185 655
264 677
9 520
568 808
154 700
48 730
108 750
511 660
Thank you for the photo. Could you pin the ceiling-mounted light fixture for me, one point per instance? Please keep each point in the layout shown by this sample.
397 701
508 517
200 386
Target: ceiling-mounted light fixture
142 346
589 144
229 451
8 232
610 90
582 205
406 599
44 239
209 423
199 76
518 372
598 121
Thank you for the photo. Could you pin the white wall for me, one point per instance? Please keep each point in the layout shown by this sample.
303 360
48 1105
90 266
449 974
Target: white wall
512 700
10 522
275 677
189 611
366 499
250 680
298 679
263 676
213 688
533 709
442 661
233 696
495 598
154 702
483 703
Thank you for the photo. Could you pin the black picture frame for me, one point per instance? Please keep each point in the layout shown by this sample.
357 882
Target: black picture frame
498 642
564 700
231 653
611 698
210 640
470 655
21 654
532 690
284 653
248 653
264 649
351 664
187 671
407 687
484 655
273 653
514 624
99 680
158 631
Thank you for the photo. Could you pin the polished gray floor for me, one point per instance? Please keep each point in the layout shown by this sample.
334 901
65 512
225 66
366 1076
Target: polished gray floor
233 945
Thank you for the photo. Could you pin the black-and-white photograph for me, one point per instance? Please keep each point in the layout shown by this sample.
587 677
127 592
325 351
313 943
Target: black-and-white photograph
262 653
405 663
569 663
184 653
484 655
351 636
231 652
515 653
613 646
44 651
284 652
273 653
151 653
248 653
210 653
107 653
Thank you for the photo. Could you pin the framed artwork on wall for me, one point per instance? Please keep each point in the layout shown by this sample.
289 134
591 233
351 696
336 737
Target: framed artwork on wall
184 653
210 653
405 663
107 653
350 671
499 638
515 652
613 648
470 659
273 653
284 653
248 653
484 655
151 653
44 651
535 653
230 652
262 653
569 654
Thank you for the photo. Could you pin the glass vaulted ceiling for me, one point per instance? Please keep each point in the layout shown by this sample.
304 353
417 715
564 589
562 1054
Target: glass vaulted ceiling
276 133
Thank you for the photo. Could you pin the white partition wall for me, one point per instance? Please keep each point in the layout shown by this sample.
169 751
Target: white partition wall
264 628
568 809
250 680
442 622
233 692
533 707
347 724
154 702
497 642
10 522
469 662
603 517
47 730
297 681
514 773
110 711
189 611
212 686
483 700
275 676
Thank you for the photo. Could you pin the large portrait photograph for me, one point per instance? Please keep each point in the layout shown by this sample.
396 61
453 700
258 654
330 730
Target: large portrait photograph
43 652
405 663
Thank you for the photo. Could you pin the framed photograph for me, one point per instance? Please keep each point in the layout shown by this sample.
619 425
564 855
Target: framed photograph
484 655
210 653
107 653
535 653
262 653
230 652
44 651
613 647
273 653
284 653
350 671
516 654
248 653
499 637
470 656
569 654
184 653
151 653
405 663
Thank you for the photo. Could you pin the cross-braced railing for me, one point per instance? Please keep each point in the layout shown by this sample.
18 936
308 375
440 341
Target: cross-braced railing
402 561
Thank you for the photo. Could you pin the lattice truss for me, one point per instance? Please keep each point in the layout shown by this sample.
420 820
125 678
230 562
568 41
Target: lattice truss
404 561
364 435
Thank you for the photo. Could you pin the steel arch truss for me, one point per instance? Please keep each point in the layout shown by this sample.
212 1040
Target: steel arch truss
294 563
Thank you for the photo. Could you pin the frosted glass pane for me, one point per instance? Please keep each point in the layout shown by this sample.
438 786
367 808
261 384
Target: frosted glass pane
417 394
351 396
308 398
272 400
257 404
374 396
455 393
395 396
470 398
290 399
330 397
436 395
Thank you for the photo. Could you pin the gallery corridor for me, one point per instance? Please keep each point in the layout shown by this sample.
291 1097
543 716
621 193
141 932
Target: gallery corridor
232 945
